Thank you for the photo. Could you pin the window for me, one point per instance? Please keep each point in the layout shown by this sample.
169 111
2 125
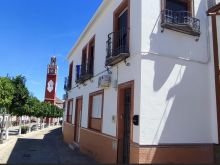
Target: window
69 111
121 16
70 75
86 69
117 44
84 56
178 15
91 55
97 107
177 5
121 22
95 110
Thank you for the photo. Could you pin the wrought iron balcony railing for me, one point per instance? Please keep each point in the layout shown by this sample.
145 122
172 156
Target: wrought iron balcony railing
117 47
67 83
181 21
84 72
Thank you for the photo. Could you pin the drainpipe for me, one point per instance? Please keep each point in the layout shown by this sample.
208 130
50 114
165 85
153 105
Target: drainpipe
216 65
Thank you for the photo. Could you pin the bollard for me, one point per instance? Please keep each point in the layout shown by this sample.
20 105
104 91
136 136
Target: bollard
6 134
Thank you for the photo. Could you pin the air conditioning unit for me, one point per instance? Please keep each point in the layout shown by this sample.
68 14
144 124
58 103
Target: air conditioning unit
104 81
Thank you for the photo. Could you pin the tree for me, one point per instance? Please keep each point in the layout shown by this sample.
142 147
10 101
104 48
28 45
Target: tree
21 96
32 106
6 97
6 92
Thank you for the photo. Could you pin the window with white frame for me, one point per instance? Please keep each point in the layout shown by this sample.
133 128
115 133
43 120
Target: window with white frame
95 110
97 106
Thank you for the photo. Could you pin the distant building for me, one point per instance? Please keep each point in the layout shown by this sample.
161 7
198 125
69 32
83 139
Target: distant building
59 103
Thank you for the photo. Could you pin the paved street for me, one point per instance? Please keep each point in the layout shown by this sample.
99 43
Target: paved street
40 147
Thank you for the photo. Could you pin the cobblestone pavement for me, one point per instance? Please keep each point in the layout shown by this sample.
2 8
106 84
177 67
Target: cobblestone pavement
41 147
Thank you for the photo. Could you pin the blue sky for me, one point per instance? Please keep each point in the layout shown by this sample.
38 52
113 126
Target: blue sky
31 31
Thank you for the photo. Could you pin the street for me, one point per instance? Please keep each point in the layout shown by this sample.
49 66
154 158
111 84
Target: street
40 147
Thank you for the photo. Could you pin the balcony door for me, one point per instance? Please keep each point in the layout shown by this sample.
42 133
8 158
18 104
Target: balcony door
177 5
178 11
122 31
84 61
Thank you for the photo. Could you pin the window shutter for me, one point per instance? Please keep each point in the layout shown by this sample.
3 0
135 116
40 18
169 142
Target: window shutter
97 106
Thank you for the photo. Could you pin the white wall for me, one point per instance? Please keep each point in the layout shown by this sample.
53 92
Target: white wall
102 26
176 82
173 76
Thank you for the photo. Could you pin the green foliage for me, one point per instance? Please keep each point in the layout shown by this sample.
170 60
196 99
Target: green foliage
21 96
6 92
15 96
32 106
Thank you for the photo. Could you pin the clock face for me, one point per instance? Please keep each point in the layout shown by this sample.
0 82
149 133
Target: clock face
51 71
50 86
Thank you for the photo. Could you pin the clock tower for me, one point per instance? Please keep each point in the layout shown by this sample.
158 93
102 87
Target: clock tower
51 81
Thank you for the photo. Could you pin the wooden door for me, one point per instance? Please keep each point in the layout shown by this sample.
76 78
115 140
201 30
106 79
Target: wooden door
124 124
78 119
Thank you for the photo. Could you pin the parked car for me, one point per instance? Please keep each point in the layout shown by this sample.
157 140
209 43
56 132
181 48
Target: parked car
34 128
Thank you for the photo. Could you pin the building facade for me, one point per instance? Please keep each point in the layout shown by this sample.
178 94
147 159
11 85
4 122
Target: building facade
141 84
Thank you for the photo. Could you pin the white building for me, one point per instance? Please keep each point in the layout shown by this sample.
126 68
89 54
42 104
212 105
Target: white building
160 106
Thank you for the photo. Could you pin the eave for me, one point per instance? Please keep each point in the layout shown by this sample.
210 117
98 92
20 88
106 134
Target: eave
101 8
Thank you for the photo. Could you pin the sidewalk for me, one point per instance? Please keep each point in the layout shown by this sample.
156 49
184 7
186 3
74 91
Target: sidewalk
45 146
13 138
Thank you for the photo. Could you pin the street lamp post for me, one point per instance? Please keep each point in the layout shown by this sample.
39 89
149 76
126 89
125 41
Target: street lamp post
2 124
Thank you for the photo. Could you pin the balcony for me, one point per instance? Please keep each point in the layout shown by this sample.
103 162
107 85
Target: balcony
180 21
117 47
83 73
67 83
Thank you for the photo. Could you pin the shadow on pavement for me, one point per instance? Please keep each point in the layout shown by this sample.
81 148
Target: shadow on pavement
49 149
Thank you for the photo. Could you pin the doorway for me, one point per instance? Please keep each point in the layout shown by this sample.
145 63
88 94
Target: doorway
125 113
78 113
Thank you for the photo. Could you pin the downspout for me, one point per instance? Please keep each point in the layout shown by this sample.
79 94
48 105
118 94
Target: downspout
216 68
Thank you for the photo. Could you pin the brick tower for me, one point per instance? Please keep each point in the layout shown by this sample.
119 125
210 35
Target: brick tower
51 82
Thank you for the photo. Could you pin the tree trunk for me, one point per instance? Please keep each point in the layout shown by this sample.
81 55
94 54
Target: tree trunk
19 131
29 128
37 124
43 122
2 128
49 122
